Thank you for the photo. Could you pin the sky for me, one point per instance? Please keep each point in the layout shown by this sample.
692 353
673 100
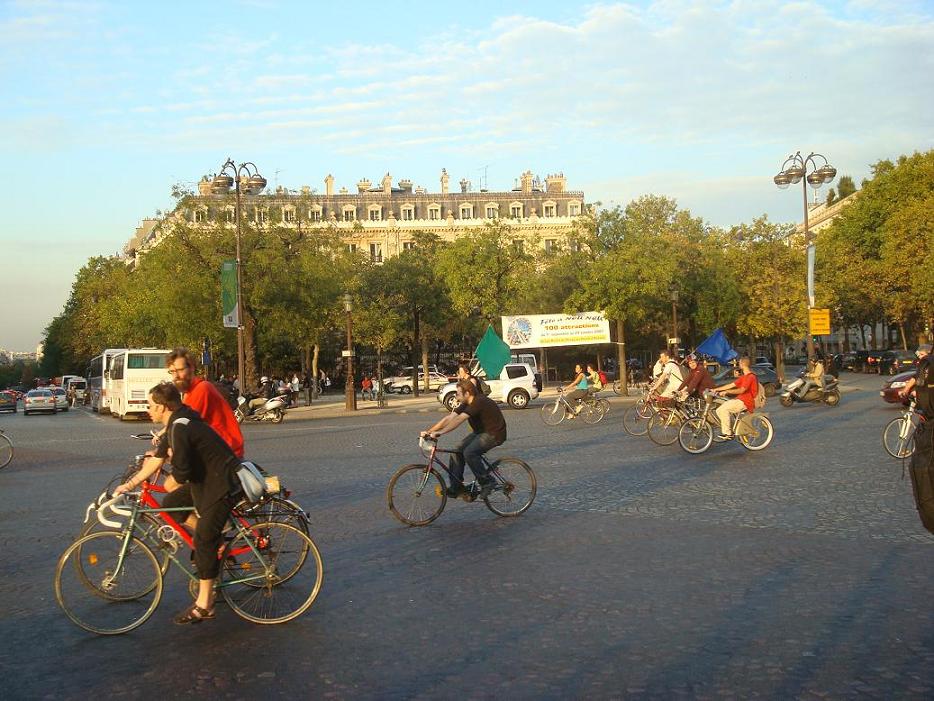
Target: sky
106 105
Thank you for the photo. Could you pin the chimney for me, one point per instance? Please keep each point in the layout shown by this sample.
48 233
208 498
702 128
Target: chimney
363 184
387 184
329 185
405 185
556 183
444 181
527 182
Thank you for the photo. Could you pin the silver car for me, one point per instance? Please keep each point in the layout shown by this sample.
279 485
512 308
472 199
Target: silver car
39 400
61 398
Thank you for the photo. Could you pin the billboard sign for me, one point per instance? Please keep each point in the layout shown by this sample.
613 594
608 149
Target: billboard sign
229 294
552 330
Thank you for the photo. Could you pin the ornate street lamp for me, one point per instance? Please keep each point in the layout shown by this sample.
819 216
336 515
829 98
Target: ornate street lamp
246 179
350 396
795 170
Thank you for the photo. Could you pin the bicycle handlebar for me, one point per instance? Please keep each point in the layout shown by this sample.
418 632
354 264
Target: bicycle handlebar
427 442
110 504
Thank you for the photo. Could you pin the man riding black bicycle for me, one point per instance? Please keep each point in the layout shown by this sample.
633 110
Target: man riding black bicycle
489 430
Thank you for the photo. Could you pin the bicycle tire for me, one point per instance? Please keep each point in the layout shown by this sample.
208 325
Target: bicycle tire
274 508
664 426
152 524
553 413
764 430
636 419
98 605
253 599
695 435
431 488
617 387
603 405
506 499
6 450
892 441
590 413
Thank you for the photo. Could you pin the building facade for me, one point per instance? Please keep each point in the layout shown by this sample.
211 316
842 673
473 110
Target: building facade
381 221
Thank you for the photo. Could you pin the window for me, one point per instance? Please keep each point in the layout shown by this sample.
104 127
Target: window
261 215
574 209
514 372
116 368
288 215
408 245
434 211
146 361
549 209
518 245
200 216
350 213
231 216
315 214
376 252
492 211
551 245
376 213
515 210
408 213
352 247
466 211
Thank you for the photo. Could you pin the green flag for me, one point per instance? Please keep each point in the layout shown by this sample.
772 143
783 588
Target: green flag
229 294
492 353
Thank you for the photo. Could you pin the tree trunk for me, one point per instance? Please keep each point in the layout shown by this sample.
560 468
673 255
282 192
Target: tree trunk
846 338
249 351
862 335
416 343
314 368
425 363
621 369
780 359
901 328
379 374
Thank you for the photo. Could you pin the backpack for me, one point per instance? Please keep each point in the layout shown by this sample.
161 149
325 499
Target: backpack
603 378
760 400
484 387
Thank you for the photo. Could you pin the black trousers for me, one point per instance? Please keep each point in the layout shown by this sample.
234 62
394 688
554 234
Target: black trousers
208 533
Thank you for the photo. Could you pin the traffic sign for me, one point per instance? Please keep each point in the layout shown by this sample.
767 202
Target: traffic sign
819 321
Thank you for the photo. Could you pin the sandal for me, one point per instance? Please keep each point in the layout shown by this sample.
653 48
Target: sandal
193 614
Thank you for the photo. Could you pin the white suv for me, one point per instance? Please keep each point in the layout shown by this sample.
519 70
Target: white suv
515 387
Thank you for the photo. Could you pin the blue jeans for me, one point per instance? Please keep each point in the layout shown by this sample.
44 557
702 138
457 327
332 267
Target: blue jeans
470 449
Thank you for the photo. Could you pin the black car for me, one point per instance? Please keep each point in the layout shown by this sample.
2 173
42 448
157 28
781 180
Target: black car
766 377
856 361
893 362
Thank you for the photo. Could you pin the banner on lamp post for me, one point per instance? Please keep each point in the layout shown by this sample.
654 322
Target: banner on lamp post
229 294
811 250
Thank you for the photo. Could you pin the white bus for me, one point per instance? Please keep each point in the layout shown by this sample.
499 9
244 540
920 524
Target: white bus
132 374
97 379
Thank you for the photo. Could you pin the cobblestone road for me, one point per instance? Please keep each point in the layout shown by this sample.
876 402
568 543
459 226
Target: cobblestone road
640 572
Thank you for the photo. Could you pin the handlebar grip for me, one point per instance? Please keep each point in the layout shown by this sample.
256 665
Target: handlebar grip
109 504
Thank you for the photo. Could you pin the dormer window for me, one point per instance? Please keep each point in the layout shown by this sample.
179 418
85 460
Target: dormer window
434 211
516 210
466 211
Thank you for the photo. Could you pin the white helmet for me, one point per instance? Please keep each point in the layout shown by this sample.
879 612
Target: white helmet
264 379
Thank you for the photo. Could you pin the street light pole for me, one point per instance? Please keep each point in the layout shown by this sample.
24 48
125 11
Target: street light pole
795 170
232 174
350 396
674 319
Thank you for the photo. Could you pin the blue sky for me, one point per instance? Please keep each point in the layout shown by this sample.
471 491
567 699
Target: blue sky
106 105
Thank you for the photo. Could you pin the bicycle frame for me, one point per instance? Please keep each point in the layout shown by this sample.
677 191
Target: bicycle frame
433 460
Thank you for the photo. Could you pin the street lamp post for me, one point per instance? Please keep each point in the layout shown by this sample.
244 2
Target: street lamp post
243 177
673 290
350 398
795 170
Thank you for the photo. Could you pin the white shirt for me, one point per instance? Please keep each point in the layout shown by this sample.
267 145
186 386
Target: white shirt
671 379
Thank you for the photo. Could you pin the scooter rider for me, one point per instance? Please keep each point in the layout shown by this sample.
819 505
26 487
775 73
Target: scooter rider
814 377
267 390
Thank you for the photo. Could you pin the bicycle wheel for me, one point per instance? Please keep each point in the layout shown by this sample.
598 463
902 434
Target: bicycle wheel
123 593
590 413
636 419
603 405
415 497
617 387
273 508
515 487
695 435
664 426
553 413
898 438
147 530
761 434
272 573
6 450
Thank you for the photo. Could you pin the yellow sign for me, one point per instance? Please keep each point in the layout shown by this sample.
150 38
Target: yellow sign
819 321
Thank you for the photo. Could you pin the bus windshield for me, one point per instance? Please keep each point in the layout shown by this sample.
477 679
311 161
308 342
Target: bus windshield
145 361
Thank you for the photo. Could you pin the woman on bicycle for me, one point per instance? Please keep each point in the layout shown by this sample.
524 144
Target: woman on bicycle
577 388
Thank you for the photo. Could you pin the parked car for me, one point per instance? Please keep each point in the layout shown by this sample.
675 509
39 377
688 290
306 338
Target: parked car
61 398
856 361
770 382
763 362
893 362
892 386
873 360
403 383
516 387
39 400
7 401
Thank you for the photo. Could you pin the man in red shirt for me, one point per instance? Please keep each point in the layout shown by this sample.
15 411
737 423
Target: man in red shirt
744 389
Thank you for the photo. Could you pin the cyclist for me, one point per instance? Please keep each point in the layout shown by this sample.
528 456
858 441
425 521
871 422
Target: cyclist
743 389
669 378
698 380
577 388
201 459
922 384
489 430
463 373
593 379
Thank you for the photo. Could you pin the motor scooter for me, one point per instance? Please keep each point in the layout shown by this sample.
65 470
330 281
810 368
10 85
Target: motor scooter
829 394
273 410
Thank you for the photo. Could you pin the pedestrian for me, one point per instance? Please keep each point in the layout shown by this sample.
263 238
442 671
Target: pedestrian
296 384
366 387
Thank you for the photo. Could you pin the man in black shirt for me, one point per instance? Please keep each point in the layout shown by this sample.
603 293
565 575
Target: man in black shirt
489 431
205 467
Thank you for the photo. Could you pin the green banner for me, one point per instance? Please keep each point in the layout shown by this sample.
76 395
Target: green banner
229 294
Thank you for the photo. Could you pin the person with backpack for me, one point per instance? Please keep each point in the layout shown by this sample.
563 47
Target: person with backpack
594 379
463 373
744 390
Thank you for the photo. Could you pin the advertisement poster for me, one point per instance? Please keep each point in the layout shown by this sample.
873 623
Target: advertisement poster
229 294
551 330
